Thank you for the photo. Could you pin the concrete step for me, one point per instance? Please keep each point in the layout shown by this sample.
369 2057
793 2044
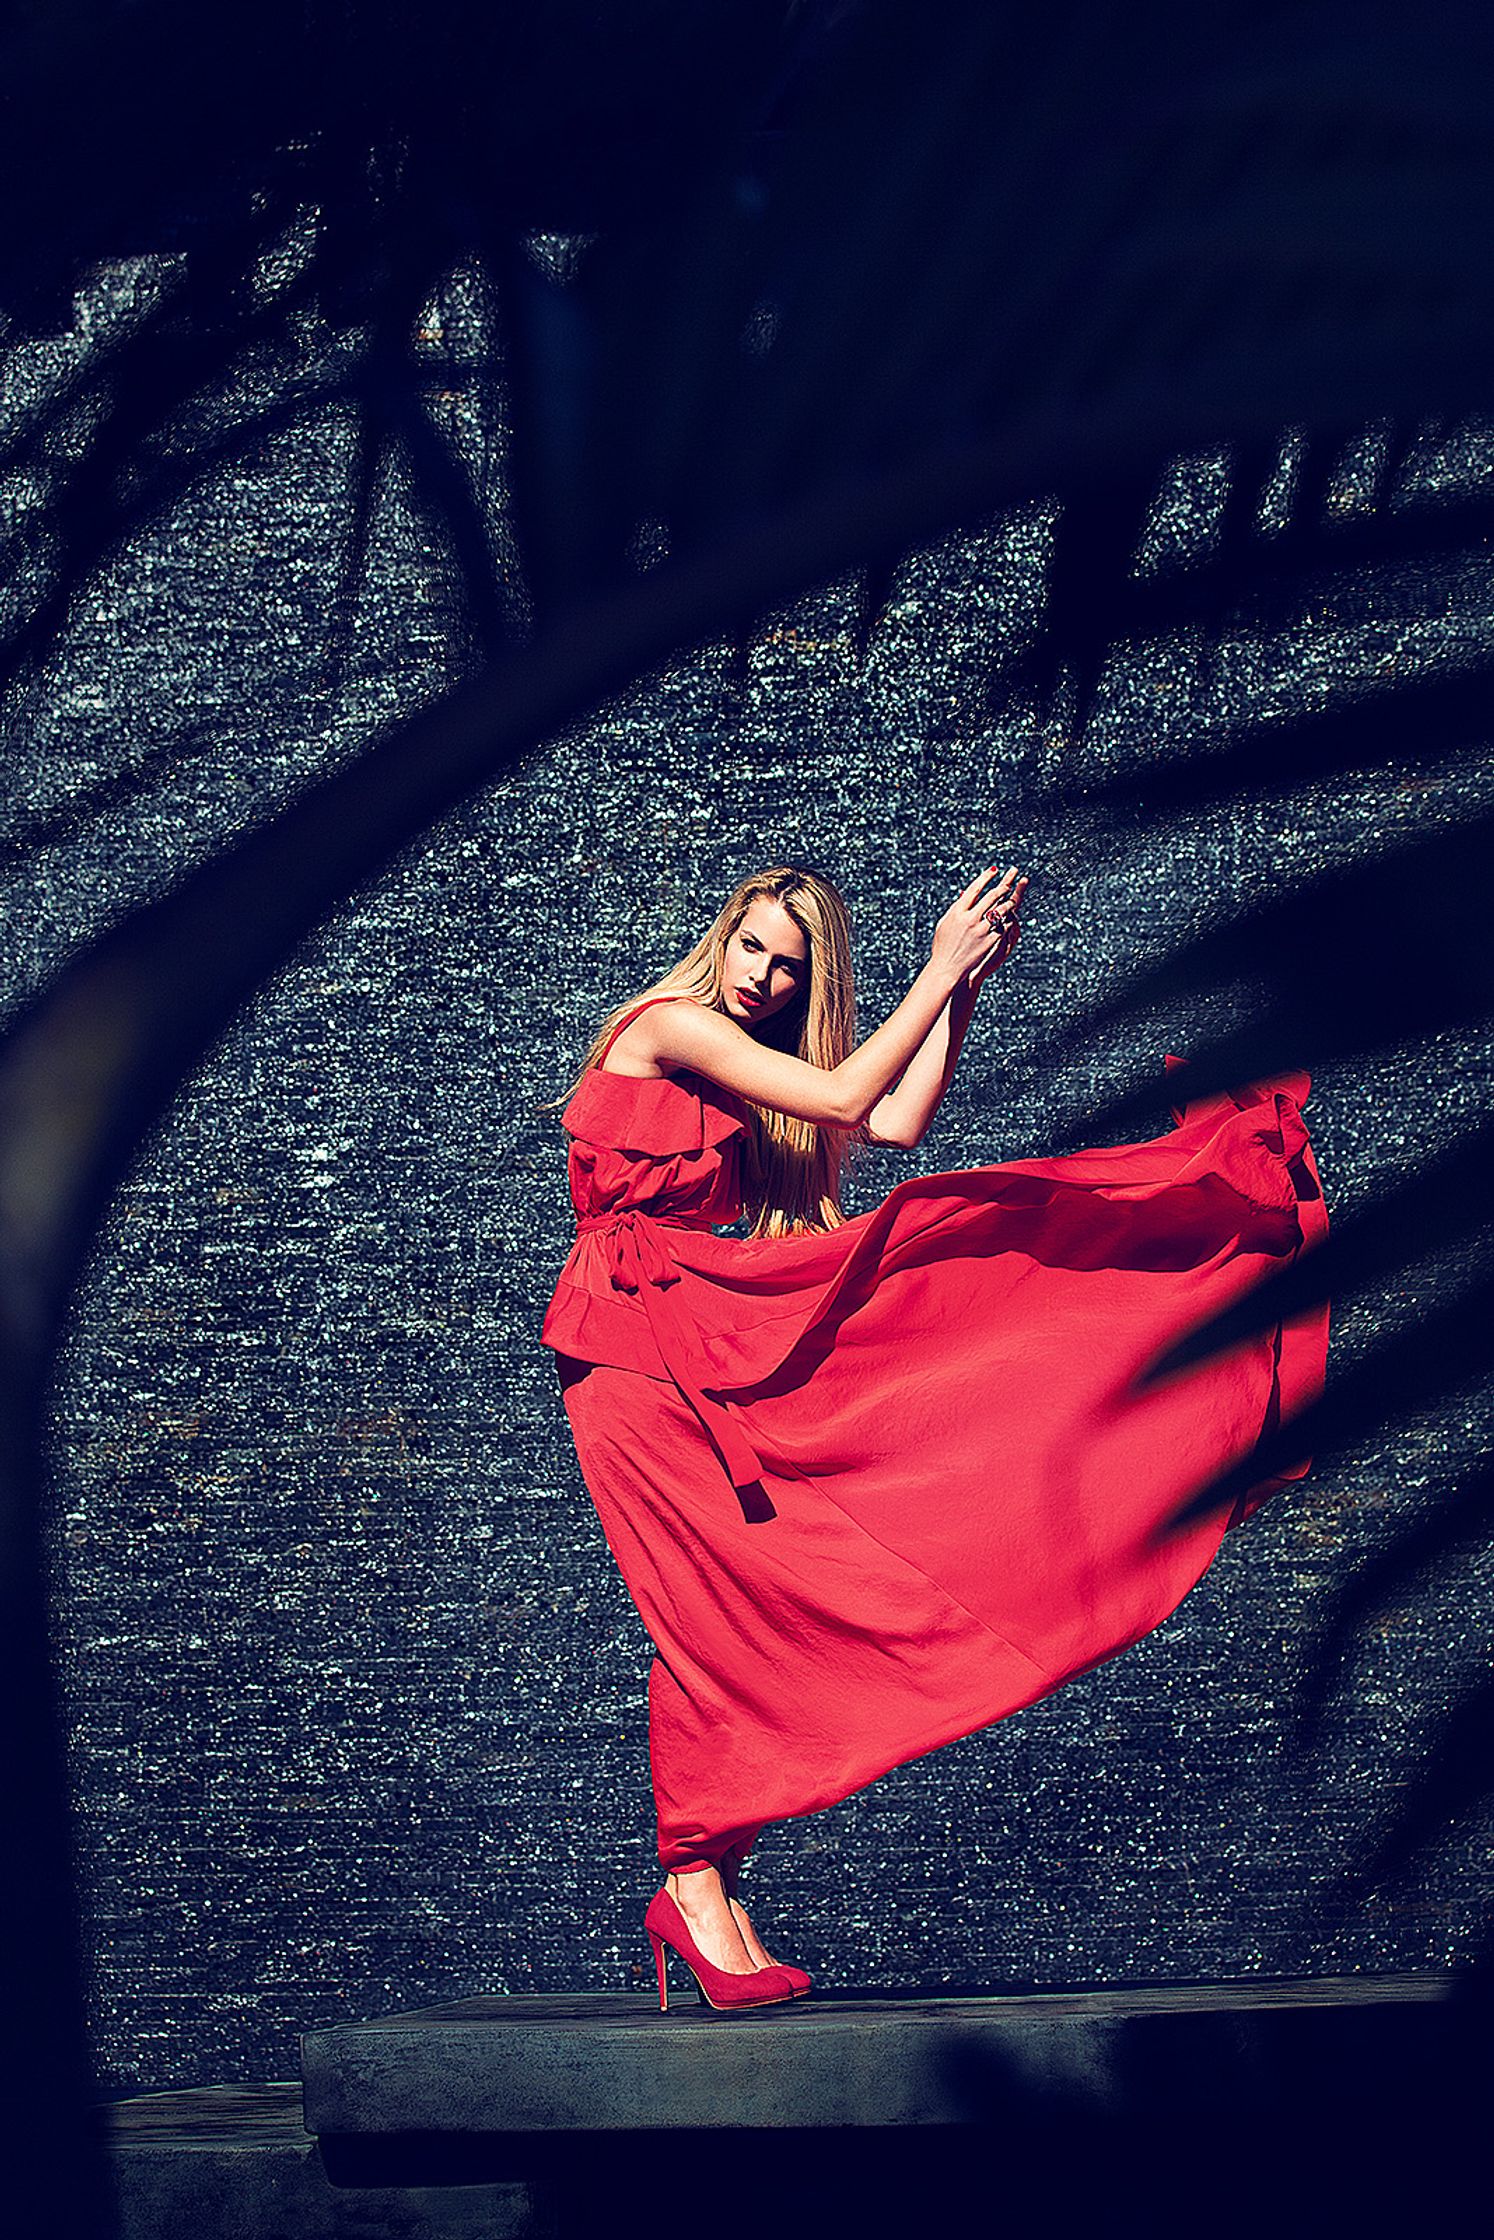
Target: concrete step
532 2069
235 2162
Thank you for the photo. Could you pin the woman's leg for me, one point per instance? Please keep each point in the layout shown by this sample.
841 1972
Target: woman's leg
731 1875
701 1897
642 1455
705 1890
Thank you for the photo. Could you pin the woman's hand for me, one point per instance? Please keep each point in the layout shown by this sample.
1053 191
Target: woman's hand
979 930
1010 927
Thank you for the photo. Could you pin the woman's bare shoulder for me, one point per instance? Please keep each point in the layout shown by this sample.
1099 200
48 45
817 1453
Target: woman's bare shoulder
635 1050
690 1035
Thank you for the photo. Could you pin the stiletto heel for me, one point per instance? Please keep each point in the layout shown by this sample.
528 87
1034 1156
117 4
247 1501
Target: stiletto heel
719 1987
662 1966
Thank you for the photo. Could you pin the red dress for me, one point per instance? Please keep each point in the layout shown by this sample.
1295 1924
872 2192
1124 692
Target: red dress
873 1489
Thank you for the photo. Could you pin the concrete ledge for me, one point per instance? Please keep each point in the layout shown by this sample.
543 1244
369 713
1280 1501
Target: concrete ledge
234 2162
545 2069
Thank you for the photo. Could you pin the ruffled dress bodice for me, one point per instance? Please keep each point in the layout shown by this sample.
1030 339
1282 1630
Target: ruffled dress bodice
671 1147
653 1164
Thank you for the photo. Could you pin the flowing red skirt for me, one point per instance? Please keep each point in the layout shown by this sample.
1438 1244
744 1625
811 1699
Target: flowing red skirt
963 1497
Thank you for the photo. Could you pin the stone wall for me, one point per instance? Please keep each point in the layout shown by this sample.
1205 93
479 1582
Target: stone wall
356 1696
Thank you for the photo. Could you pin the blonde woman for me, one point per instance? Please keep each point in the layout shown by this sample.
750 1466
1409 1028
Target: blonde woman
875 1483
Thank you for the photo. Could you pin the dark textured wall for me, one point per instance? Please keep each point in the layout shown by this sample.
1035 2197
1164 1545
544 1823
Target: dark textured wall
356 1698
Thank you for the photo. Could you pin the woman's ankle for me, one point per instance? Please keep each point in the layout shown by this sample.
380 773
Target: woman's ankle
692 1882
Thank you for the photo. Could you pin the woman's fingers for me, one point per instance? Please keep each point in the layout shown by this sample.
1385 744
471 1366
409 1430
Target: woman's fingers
995 904
973 895
1001 907
969 894
1007 899
1005 933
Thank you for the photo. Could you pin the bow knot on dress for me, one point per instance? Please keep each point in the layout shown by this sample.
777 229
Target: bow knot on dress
639 1263
637 1256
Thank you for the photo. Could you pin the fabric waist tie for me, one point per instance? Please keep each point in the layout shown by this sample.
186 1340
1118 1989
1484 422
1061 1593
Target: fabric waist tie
640 1263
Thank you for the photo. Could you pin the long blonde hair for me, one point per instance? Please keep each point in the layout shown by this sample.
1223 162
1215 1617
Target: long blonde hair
791 1177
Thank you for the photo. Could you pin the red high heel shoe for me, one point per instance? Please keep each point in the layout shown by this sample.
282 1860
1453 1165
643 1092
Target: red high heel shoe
719 1987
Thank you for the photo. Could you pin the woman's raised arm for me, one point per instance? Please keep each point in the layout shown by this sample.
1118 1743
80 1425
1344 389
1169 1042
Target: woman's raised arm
903 1115
686 1034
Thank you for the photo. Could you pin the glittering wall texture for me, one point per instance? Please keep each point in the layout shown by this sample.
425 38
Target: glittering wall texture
356 1698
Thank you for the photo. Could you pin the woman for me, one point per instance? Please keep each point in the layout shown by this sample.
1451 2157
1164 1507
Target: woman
875 1483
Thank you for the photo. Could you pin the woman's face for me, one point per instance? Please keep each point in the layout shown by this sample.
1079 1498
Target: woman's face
766 964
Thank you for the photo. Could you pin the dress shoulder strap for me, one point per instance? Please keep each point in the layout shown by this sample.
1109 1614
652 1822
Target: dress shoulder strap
627 1020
